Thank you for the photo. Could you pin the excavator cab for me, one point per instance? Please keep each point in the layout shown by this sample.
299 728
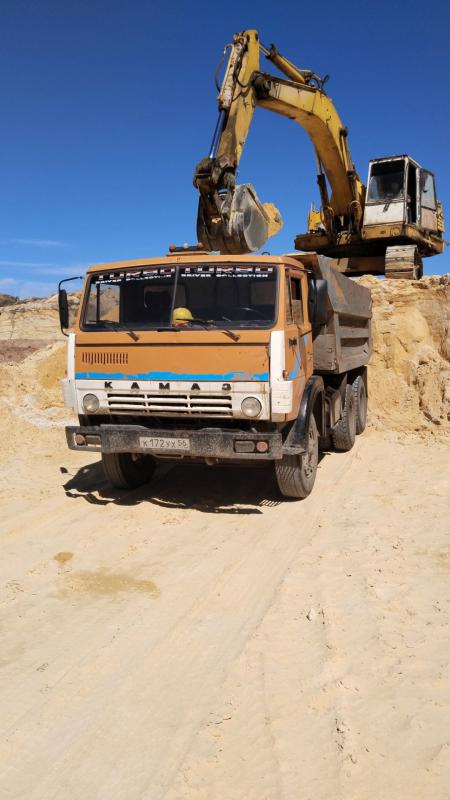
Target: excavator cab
402 216
400 193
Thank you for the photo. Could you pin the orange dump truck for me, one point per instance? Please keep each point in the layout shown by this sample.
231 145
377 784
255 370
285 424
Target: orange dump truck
217 359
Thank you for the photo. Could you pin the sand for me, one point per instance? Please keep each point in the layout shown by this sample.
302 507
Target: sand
410 366
199 638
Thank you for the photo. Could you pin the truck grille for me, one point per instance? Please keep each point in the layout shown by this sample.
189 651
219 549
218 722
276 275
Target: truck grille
174 405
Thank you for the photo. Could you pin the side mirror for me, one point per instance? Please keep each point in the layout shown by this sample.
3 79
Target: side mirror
318 301
63 309
63 304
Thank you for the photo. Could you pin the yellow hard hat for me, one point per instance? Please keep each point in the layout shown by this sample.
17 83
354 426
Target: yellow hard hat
181 315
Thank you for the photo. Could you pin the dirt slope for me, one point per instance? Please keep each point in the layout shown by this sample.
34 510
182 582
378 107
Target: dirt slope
200 639
410 368
29 325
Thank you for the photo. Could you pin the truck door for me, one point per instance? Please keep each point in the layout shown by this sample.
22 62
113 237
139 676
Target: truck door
428 209
298 345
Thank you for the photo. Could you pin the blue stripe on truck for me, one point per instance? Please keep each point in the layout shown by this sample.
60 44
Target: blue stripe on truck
172 376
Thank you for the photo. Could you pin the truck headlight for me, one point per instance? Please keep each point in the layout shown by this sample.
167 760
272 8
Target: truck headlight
251 407
90 403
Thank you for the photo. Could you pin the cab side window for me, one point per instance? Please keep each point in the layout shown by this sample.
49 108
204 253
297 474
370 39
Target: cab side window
296 301
103 303
427 193
289 318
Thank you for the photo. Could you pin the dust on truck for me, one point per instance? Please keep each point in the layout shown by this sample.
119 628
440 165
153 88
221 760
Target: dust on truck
219 359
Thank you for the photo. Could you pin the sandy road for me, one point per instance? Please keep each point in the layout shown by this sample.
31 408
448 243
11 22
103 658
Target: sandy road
200 639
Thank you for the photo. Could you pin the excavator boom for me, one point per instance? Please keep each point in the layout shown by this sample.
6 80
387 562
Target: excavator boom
231 219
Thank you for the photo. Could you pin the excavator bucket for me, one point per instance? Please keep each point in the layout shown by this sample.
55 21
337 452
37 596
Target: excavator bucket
242 225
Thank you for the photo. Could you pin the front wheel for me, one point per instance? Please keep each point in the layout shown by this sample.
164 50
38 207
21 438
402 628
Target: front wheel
127 470
296 474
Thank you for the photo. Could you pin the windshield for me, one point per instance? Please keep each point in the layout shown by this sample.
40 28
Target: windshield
386 181
194 296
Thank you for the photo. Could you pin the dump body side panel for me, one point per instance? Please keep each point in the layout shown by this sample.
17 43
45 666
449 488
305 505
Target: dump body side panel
345 342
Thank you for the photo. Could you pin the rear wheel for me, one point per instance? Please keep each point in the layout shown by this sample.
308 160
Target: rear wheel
360 395
127 470
296 474
344 432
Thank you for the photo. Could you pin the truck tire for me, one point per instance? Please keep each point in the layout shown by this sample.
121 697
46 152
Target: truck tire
296 474
360 395
344 432
127 470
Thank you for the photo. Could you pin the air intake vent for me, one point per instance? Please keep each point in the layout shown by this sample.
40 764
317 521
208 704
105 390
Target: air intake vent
104 357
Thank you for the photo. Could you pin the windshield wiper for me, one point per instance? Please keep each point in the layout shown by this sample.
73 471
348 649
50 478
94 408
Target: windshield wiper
208 325
119 326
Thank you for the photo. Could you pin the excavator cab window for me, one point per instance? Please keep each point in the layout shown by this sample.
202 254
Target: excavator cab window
428 204
387 181
427 193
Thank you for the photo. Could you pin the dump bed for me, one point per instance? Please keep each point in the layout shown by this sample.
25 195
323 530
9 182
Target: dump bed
345 341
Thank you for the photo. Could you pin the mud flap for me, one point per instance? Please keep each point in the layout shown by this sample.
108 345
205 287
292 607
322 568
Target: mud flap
296 440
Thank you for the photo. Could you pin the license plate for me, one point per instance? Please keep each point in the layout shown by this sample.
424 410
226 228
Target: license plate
163 443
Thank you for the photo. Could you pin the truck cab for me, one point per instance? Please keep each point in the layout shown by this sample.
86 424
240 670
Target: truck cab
200 357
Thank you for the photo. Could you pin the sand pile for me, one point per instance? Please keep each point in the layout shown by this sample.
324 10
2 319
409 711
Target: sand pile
30 390
409 375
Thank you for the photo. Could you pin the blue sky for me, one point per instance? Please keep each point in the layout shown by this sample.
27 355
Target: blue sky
107 106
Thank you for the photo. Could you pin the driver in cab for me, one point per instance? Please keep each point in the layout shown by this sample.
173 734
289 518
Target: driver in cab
181 316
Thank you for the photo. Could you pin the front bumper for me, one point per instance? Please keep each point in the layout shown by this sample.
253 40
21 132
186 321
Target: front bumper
204 442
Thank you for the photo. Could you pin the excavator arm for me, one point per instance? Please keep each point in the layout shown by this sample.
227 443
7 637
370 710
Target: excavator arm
231 218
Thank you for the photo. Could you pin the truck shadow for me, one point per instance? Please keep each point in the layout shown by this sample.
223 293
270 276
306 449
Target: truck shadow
212 490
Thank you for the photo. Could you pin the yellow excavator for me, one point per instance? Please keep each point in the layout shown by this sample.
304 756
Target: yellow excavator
385 228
